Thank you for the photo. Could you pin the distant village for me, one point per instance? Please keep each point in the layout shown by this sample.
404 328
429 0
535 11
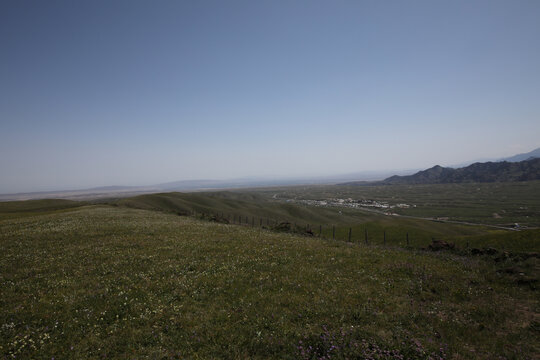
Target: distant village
351 203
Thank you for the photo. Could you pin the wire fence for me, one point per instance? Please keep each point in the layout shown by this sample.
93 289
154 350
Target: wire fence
354 234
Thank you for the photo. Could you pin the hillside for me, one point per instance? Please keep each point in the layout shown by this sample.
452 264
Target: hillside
256 209
123 283
478 172
13 209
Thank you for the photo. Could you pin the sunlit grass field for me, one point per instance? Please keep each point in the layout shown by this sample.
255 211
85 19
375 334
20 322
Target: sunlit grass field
116 282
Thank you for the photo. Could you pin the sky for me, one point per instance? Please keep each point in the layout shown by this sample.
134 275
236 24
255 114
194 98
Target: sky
97 93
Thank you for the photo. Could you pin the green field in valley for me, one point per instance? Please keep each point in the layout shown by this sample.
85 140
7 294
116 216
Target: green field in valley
484 203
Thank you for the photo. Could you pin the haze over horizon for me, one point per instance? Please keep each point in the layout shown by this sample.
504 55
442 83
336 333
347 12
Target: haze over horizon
104 93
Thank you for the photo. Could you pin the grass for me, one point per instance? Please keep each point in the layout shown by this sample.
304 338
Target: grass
16 209
118 282
259 207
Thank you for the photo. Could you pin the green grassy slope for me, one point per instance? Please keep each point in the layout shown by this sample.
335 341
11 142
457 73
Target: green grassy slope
14 209
110 282
253 205
244 204
258 207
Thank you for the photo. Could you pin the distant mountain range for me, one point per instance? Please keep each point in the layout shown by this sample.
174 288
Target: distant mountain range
195 185
503 171
525 156
515 158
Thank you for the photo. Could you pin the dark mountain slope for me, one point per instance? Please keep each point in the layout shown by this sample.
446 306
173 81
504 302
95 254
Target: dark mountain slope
478 172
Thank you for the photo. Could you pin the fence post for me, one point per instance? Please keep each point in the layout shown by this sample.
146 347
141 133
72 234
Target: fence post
350 231
365 235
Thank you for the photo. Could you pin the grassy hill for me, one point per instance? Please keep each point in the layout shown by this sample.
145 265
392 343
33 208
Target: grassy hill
118 282
14 209
258 207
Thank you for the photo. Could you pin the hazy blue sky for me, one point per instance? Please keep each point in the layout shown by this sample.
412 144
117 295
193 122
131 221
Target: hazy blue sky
131 92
